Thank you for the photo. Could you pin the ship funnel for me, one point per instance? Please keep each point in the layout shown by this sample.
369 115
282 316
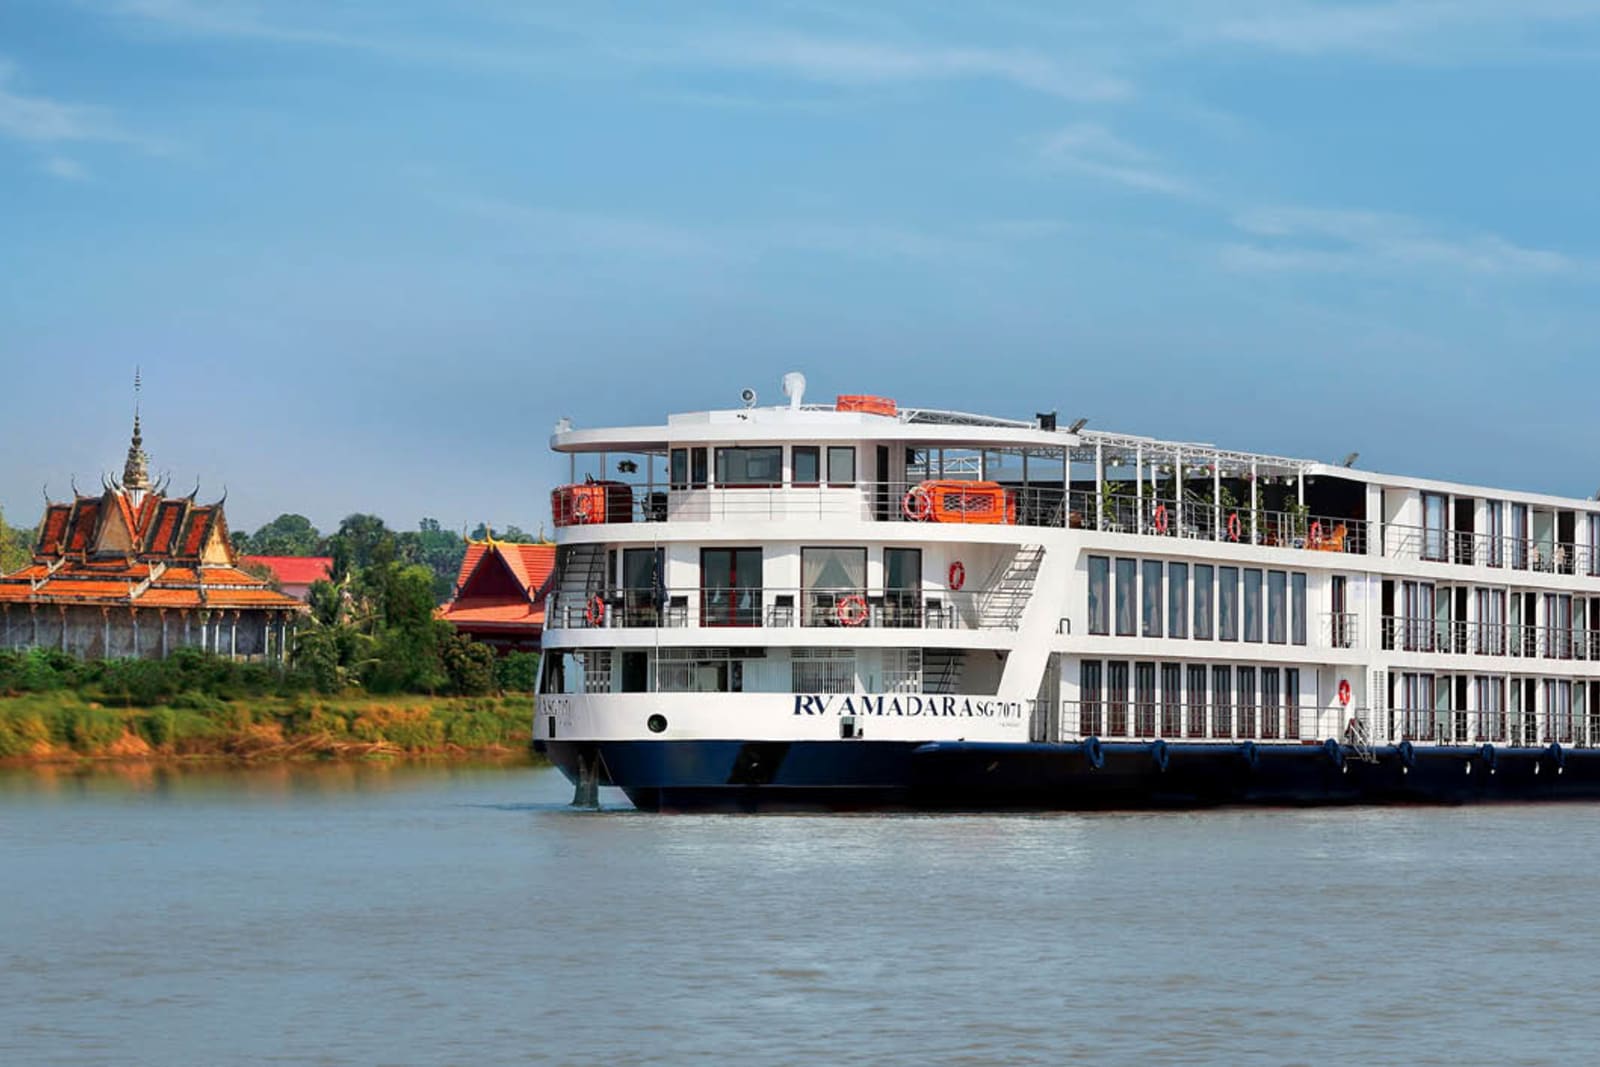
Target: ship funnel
794 387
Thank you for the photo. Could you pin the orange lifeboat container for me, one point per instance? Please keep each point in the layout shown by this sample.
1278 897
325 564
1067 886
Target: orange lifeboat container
872 405
591 502
976 503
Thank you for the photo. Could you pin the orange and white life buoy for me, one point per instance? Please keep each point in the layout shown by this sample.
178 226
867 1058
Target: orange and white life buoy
958 576
1316 535
916 505
1233 526
852 609
582 507
595 613
1160 519
1344 693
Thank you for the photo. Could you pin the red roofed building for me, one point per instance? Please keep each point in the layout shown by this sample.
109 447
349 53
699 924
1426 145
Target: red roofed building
136 573
500 594
294 573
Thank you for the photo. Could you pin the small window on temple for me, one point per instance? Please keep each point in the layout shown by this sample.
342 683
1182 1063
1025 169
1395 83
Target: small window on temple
807 465
679 475
842 466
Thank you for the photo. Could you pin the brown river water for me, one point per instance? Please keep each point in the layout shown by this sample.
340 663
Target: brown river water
460 914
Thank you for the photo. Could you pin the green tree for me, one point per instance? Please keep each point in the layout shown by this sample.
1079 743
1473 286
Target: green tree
511 533
287 535
362 541
15 550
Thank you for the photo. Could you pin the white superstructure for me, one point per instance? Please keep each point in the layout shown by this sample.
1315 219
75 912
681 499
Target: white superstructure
803 573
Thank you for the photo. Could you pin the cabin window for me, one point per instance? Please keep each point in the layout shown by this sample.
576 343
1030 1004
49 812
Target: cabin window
1433 526
1171 700
697 468
1247 701
678 475
1271 712
754 467
1091 721
1297 604
1252 605
643 586
1519 536
841 465
827 577
902 586
1127 591
1196 701
730 586
1117 699
1228 603
1221 701
807 465
1177 600
1202 601
1291 703
1277 608
1099 604
1151 597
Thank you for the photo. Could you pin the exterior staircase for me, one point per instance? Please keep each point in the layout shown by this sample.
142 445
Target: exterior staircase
580 575
1005 598
941 669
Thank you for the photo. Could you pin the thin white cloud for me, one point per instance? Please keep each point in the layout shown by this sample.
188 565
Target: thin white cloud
1308 239
43 120
1092 149
65 169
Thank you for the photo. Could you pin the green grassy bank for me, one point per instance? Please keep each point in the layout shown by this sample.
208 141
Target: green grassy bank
65 725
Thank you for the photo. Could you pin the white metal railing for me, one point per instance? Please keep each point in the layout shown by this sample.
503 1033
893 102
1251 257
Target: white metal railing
1158 516
1540 555
1339 629
1399 634
778 607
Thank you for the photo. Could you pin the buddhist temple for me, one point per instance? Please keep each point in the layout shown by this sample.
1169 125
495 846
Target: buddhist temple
500 593
134 572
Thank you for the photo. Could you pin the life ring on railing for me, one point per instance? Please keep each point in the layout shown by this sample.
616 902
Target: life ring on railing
1316 535
595 612
957 576
1160 519
852 610
1233 526
582 507
917 505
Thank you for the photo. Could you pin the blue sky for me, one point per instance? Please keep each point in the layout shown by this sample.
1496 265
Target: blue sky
367 254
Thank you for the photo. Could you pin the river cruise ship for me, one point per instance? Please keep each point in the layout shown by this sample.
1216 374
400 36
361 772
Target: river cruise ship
858 604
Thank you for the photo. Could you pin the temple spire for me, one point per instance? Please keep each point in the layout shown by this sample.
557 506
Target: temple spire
136 472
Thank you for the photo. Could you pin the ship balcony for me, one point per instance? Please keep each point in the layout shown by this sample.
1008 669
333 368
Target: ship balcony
1463 638
1175 719
779 608
1464 548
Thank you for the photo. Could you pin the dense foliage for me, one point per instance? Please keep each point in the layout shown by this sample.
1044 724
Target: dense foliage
15 547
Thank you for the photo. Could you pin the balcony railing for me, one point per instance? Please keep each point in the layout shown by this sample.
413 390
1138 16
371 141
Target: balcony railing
1340 629
1196 520
1483 550
1463 638
770 607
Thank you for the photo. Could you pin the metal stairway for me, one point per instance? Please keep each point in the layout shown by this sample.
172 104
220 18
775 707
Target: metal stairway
1001 604
580 575
941 669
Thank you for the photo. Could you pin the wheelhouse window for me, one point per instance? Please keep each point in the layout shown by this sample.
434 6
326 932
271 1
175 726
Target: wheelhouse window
833 583
678 473
1099 602
697 468
730 586
750 467
841 465
807 461
1127 592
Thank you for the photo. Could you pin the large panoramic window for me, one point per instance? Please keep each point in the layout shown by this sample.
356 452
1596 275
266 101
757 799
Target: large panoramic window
1177 600
1151 597
1252 605
1099 602
740 467
1228 603
1277 607
1202 601
1127 583
1297 601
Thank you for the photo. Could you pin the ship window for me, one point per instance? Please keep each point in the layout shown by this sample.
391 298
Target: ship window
827 577
1228 603
842 466
1117 699
1433 526
1291 703
1297 601
760 467
1177 600
730 586
1099 605
1202 601
1277 607
1221 701
807 465
1271 696
1091 720
1127 581
697 468
1196 701
1152 598
1247 702
1252 605
678 477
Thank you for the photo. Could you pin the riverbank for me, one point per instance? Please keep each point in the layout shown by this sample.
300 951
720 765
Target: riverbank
66 727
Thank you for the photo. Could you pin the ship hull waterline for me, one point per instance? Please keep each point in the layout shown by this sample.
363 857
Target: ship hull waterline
775 776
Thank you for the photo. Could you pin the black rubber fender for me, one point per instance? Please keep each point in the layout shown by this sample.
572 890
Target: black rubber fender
1250 754
1159 755
1334 751
1094 753
1408 755
1555 755
1487 755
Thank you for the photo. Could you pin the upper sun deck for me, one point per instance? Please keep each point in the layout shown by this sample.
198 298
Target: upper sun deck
865 459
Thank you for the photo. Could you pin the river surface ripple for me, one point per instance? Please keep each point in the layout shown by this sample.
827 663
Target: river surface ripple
354 915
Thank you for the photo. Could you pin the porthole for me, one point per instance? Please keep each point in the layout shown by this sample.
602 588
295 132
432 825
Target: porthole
656 723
